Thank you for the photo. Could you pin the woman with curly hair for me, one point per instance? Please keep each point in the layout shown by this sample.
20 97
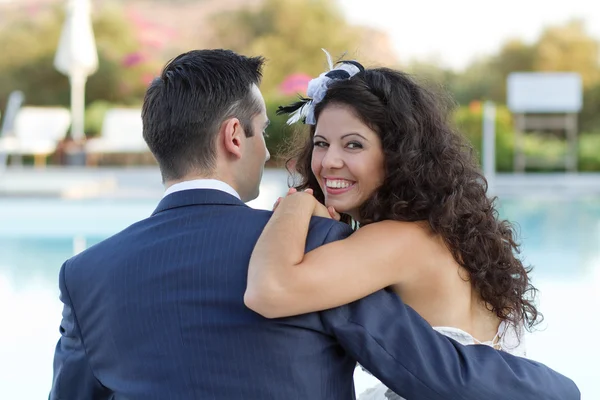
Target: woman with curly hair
382 154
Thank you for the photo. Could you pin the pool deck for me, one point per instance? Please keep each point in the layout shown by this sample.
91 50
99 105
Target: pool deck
144 182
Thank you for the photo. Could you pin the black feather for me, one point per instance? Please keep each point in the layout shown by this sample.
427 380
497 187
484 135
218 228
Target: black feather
355 63
292 107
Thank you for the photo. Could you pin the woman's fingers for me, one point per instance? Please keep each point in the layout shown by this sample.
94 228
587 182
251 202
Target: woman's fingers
334 214
293 190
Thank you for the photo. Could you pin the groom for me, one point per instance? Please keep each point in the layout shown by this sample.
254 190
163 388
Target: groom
157 311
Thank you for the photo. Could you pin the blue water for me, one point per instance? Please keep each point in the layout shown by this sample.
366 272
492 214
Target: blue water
561 239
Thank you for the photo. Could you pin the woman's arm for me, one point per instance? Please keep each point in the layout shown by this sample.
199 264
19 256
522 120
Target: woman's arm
283 281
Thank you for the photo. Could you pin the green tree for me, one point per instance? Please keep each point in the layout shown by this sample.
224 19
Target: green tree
430 72
29 45
589 117
514 56
27 60
290 34
475 83
569 47
566 47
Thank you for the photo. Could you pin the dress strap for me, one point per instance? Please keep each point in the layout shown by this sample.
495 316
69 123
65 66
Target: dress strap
496 342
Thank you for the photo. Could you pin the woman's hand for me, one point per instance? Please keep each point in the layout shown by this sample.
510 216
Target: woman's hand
322 211
306 199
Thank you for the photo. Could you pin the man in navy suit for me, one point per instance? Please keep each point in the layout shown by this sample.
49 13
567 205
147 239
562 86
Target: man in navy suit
157 311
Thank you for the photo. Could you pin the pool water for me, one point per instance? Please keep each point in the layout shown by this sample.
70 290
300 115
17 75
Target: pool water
561 239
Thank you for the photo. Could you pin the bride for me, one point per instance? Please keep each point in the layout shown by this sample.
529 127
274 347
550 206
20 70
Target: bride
382 156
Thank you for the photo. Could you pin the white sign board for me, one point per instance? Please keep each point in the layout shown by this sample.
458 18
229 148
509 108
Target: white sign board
544 92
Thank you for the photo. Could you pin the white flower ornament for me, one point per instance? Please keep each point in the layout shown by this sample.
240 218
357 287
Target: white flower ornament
317 89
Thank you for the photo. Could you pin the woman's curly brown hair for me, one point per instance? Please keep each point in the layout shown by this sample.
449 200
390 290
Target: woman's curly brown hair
431 175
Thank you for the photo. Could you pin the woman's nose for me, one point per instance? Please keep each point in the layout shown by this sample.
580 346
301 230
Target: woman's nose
332 159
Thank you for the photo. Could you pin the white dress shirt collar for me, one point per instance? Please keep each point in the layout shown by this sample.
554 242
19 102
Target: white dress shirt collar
202 184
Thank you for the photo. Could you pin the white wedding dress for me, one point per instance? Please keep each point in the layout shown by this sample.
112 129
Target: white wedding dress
509 339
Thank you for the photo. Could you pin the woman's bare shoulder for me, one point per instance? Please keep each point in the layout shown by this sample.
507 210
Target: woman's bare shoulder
392 230
413 241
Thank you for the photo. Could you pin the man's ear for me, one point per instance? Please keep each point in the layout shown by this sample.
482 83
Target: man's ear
231 135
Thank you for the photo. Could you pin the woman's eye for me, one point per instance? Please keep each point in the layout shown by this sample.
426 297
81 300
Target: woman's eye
354 145
320 143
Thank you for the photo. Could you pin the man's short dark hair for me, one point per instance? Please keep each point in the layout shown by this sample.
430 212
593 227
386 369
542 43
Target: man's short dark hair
184 108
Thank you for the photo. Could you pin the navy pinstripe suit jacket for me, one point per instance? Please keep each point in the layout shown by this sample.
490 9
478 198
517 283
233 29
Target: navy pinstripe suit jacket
157 312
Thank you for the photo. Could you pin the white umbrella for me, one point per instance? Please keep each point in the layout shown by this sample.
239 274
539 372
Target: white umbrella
77 58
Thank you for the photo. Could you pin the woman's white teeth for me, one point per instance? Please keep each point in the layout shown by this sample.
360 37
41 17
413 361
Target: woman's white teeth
338 184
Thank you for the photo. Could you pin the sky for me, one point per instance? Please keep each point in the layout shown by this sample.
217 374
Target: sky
456 32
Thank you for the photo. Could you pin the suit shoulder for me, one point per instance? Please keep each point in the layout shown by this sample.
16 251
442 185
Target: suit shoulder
325 230
99 249
328 225
256 213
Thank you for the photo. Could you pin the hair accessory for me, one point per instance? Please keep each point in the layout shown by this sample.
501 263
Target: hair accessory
304 110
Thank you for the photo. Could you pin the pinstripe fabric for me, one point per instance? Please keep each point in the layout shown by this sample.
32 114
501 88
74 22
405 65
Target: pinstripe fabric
156 312
161 311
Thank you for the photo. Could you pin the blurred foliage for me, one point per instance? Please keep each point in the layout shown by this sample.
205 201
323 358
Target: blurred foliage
469 121
589 152
589 117
29 46
290 34
278 132
569 48
94 116
537 146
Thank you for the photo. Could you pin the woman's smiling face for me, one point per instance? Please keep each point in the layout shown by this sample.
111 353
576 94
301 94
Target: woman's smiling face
347 159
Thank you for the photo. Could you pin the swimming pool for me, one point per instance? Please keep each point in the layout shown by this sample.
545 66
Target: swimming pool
561 239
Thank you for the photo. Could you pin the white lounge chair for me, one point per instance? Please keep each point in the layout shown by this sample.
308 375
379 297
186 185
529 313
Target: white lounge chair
37 131
121 134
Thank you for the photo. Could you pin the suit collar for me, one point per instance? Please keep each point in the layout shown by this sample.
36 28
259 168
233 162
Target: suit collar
194 197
